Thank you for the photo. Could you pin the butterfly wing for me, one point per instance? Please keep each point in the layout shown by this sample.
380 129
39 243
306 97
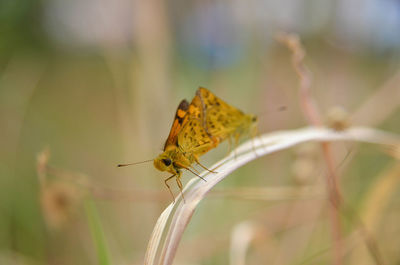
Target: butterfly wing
178 123
193 138
221 119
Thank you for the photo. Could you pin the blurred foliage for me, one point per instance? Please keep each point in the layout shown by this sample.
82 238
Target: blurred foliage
20 28
97 82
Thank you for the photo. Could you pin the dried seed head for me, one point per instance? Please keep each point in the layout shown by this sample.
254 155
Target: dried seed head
338 118
304 171
59 202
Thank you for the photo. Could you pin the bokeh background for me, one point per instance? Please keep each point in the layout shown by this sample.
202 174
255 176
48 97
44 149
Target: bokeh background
97 82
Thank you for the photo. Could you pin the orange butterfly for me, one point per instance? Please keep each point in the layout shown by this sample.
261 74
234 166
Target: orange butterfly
187 140
197 128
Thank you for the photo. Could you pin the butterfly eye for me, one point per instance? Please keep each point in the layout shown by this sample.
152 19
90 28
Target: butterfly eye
167 161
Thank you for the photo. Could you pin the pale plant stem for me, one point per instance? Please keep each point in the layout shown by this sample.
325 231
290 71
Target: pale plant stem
173 221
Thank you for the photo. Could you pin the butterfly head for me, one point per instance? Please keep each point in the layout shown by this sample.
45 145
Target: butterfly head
164 162
250 124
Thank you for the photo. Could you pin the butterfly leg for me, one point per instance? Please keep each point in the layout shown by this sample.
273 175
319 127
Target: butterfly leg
188 169
195 170
230 145
169 188
196 174
178 181
215 141
253 146
236 143
256 134
198 163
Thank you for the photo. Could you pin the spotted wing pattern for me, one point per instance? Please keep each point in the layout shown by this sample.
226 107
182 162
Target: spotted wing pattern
221 119
193 138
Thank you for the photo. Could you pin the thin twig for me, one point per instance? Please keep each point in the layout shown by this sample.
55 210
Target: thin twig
308 105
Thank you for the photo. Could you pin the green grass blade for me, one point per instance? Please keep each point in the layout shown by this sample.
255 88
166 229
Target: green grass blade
97 232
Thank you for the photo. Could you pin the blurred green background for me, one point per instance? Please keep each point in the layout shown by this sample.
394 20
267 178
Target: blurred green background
97 83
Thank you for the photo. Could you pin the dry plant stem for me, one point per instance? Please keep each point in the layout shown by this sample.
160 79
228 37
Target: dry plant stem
377 199
272 193
296 241
97 191
307 103
311 112
349 243
334 196
387 95
169 228
241 238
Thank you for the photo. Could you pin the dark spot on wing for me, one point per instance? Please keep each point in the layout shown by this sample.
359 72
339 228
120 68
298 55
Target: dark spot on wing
184 105
180 119
181 111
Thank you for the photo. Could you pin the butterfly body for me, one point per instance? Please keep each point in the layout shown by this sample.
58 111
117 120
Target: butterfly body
173 160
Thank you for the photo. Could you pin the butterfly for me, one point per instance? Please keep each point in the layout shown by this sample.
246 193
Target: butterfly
197 128
187 140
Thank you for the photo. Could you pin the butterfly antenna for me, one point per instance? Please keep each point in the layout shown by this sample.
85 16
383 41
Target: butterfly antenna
129 164
268 112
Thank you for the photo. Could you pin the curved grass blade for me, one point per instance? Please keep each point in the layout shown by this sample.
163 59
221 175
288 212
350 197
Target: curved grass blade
171 231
